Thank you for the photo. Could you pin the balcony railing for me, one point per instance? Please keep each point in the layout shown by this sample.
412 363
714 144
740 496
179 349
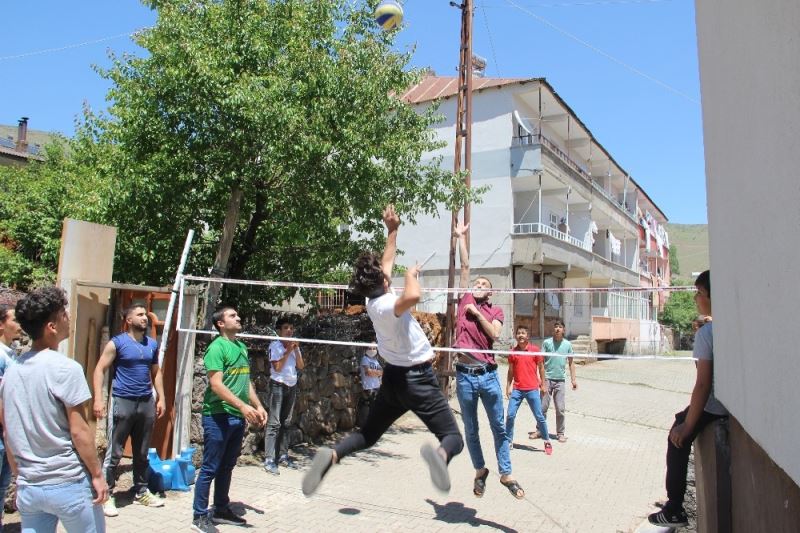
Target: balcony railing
553 148
535 228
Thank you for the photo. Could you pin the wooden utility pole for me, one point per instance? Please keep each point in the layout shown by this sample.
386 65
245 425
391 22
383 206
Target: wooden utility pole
463 149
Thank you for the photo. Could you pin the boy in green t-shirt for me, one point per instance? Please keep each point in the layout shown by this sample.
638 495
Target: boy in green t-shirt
555 371
230 399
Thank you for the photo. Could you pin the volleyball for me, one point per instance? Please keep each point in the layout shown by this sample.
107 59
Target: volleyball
389 14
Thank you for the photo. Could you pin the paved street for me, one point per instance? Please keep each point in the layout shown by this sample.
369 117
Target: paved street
605 478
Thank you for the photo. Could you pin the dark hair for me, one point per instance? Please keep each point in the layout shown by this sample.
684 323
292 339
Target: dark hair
219 315
523 326
4 309
38 308
128 310
368 277
281 321
704 280
559 322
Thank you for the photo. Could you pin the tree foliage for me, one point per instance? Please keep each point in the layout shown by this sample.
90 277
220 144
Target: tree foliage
680 309
295 102
674 264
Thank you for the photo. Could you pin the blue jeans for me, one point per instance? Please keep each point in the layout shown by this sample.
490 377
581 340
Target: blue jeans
222 444
535 402
42 506
485 387
5 475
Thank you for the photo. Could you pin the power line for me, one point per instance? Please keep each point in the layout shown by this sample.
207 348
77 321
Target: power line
585 3
602 52
491 42
70 46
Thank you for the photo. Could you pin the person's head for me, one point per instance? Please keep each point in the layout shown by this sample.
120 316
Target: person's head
43 315
371 352
522 335
136 318
9 327
284 327
558 329
702 298
368 279
482 289
227 320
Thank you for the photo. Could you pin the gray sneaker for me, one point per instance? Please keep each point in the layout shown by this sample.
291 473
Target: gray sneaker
319 467
203 524
437 466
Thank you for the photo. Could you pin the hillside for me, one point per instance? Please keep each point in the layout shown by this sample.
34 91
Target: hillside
691 241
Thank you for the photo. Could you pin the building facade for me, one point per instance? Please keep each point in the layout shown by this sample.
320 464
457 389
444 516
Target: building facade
558 212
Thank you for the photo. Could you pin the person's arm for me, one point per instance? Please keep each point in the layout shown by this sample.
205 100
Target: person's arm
571 363
225 394
392 222
542 376
103 364
460 234
255 402
288 348
9 453
158 382
411 292
300 364
83 440
700 394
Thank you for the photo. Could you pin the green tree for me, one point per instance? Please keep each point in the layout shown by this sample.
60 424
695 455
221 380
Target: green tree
296 104
674 264
680 310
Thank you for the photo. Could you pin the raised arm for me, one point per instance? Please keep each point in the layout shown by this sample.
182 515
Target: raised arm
411 292
392 222
460 233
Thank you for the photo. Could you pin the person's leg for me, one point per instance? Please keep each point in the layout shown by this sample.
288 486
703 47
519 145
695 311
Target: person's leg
30 503
287 408
123 415
213 450
492 397
423 396
383 414
678 460
273 422
467 393
534 401
141 433
72 503
559 399
5 477
232 447
514 402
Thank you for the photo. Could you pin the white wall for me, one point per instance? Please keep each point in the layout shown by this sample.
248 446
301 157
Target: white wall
750 76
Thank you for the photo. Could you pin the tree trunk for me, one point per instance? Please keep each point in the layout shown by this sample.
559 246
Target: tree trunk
223 253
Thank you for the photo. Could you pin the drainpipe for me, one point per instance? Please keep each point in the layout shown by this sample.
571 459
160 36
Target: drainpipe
540 202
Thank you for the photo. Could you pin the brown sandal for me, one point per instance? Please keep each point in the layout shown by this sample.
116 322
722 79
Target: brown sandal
514 488
479 485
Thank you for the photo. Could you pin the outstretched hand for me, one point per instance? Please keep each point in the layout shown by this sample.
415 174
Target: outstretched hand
460 230
390 218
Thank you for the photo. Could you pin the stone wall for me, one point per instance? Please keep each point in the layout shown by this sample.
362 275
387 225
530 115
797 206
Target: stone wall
329 387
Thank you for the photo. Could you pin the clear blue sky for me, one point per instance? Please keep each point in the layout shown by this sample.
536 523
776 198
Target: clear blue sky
654 133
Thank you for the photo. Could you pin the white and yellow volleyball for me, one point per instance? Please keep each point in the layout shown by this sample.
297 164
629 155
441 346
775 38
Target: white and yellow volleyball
389 15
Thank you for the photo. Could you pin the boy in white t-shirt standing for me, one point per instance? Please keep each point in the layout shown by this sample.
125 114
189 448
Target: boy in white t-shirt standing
371 373
285 360
409 383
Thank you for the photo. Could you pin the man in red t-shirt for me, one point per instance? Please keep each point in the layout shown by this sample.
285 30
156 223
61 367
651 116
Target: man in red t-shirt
525 381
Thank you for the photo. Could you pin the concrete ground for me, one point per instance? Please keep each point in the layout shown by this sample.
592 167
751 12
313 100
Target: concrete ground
606 478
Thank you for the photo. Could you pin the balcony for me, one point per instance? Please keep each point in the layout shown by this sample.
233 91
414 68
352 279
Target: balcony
554 150
535 228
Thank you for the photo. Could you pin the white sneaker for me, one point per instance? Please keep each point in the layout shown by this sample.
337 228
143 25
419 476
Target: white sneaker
110 507
148 499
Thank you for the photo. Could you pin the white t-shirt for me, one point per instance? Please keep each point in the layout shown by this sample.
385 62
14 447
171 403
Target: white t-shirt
36 392
288 373
370 382
401 340
704 349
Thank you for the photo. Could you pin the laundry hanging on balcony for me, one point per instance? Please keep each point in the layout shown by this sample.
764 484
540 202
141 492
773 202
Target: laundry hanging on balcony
588 237
616 244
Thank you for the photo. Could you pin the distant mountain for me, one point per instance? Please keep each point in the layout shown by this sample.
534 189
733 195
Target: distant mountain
691 240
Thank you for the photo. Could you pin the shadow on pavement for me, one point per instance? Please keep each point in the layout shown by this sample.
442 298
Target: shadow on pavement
458 513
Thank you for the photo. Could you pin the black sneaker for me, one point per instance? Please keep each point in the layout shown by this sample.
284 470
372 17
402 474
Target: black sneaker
226 516
203 524
667 517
